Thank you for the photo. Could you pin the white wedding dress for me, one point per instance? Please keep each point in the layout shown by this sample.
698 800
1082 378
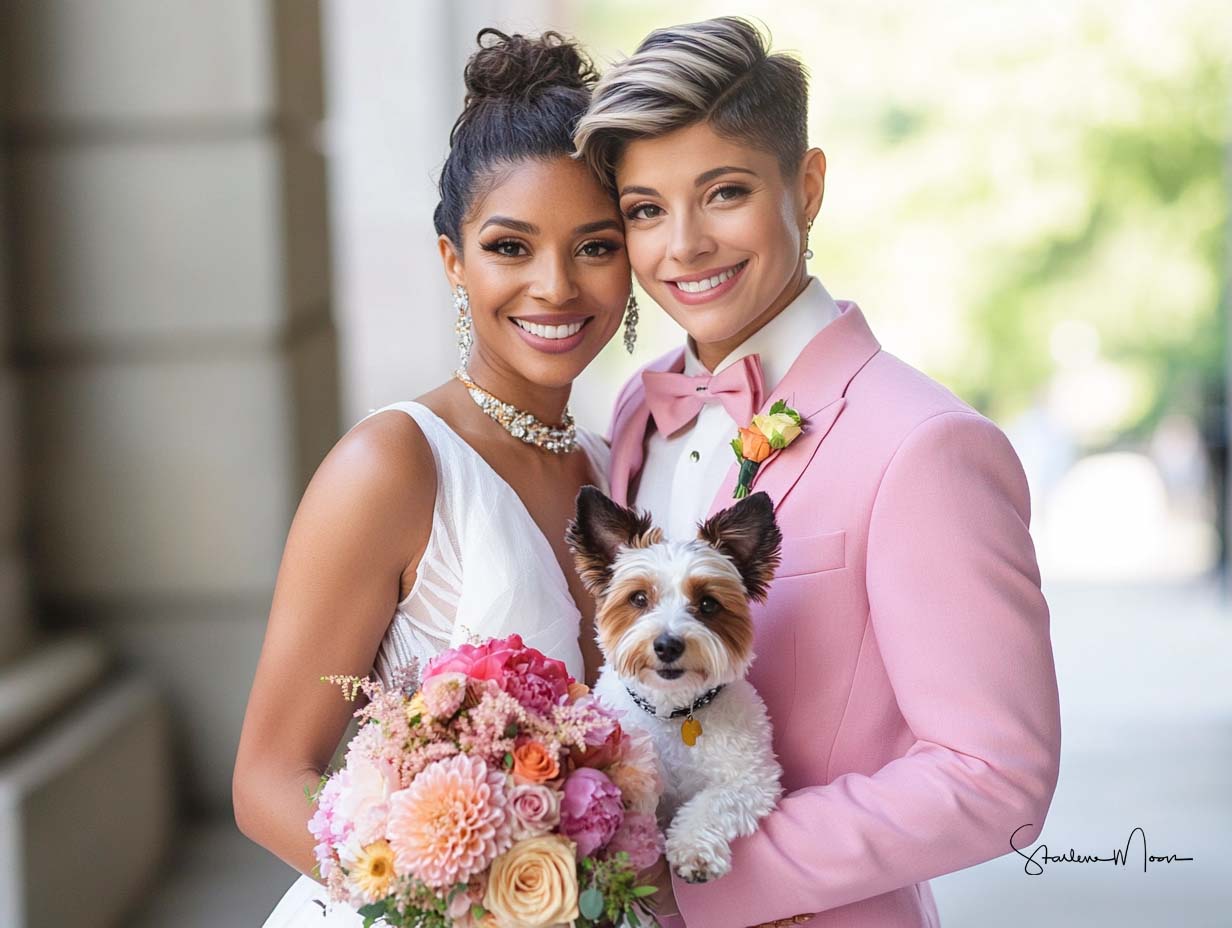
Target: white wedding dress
488 571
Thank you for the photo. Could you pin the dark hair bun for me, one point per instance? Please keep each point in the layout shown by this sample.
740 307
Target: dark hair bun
524 97
518 67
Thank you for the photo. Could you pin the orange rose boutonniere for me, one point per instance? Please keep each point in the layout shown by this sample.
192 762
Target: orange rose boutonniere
765 435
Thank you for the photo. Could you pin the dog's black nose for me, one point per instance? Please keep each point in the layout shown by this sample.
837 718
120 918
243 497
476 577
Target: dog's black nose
668 647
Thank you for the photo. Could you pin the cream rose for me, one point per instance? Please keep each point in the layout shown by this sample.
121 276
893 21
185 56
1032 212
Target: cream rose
780 428
534 884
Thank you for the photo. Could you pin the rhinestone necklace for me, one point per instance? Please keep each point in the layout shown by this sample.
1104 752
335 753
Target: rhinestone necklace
521 424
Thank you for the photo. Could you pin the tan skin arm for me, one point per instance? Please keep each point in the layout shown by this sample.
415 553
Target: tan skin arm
351 552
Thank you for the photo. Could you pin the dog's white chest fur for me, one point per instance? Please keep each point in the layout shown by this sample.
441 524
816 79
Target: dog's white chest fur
716 790
673 621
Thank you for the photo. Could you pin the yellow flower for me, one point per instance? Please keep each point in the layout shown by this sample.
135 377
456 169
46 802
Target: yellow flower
780 428
417 707
534 883
373 871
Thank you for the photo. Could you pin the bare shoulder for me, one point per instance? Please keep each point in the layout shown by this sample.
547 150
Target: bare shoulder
389 437
382 472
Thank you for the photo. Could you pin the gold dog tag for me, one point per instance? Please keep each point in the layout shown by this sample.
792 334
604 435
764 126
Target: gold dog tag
690 730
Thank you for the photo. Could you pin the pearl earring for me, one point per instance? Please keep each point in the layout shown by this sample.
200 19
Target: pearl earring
808 252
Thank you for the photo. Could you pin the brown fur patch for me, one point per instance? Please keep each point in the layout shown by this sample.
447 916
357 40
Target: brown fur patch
617 615
731 624
598 532
651 536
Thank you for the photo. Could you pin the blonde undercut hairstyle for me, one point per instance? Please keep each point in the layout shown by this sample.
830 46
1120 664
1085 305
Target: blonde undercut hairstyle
719 71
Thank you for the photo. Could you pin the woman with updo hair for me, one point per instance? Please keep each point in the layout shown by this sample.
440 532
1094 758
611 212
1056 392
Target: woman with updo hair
430 517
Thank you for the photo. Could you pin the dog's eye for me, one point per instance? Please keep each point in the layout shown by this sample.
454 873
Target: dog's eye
639 600
708 605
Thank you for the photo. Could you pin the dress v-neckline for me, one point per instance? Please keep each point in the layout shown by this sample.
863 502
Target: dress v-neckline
518 501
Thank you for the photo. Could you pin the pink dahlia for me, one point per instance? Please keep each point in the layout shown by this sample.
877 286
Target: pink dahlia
591 810
451 822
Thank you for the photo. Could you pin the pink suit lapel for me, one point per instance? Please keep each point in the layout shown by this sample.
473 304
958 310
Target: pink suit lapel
814 386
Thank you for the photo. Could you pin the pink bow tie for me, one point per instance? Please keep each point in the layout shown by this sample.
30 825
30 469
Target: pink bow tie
676 399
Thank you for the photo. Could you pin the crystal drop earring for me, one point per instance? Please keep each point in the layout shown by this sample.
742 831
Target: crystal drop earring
462 327
631 323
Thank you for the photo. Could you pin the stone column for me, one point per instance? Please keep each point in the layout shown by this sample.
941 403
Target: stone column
14 604
173 331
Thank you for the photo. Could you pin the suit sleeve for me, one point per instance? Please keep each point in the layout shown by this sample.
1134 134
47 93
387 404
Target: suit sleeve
962 627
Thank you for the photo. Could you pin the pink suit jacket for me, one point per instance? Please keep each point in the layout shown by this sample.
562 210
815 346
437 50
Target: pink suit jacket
903 651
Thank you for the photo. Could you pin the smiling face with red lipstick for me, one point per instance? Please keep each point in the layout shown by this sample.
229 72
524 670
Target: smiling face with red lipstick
543 261
716 230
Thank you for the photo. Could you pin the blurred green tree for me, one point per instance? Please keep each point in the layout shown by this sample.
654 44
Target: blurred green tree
1146 265
1031 202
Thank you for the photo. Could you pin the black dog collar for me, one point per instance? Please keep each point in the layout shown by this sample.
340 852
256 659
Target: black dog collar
704 699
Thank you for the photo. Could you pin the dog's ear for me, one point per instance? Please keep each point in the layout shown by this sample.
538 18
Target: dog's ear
599 531
749 536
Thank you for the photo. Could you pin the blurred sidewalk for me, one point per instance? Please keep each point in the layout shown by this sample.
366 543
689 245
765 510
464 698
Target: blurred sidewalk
1146 695
1146 700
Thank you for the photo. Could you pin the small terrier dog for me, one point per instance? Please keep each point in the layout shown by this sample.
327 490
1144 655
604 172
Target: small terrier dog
673 624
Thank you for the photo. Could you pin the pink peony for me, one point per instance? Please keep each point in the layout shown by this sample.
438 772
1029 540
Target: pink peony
535 680
640 838
451 822
534 809
591 810
478 661
533 692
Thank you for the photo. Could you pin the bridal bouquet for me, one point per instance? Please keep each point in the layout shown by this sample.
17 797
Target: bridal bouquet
495 792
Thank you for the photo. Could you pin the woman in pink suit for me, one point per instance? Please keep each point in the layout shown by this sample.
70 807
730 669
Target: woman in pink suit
903 652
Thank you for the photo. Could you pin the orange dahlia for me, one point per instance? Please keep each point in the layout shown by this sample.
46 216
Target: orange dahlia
451 822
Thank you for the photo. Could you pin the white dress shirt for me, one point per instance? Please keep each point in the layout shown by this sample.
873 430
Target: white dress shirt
683 471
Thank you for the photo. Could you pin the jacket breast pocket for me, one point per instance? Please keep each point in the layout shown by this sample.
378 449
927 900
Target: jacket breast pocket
813 554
